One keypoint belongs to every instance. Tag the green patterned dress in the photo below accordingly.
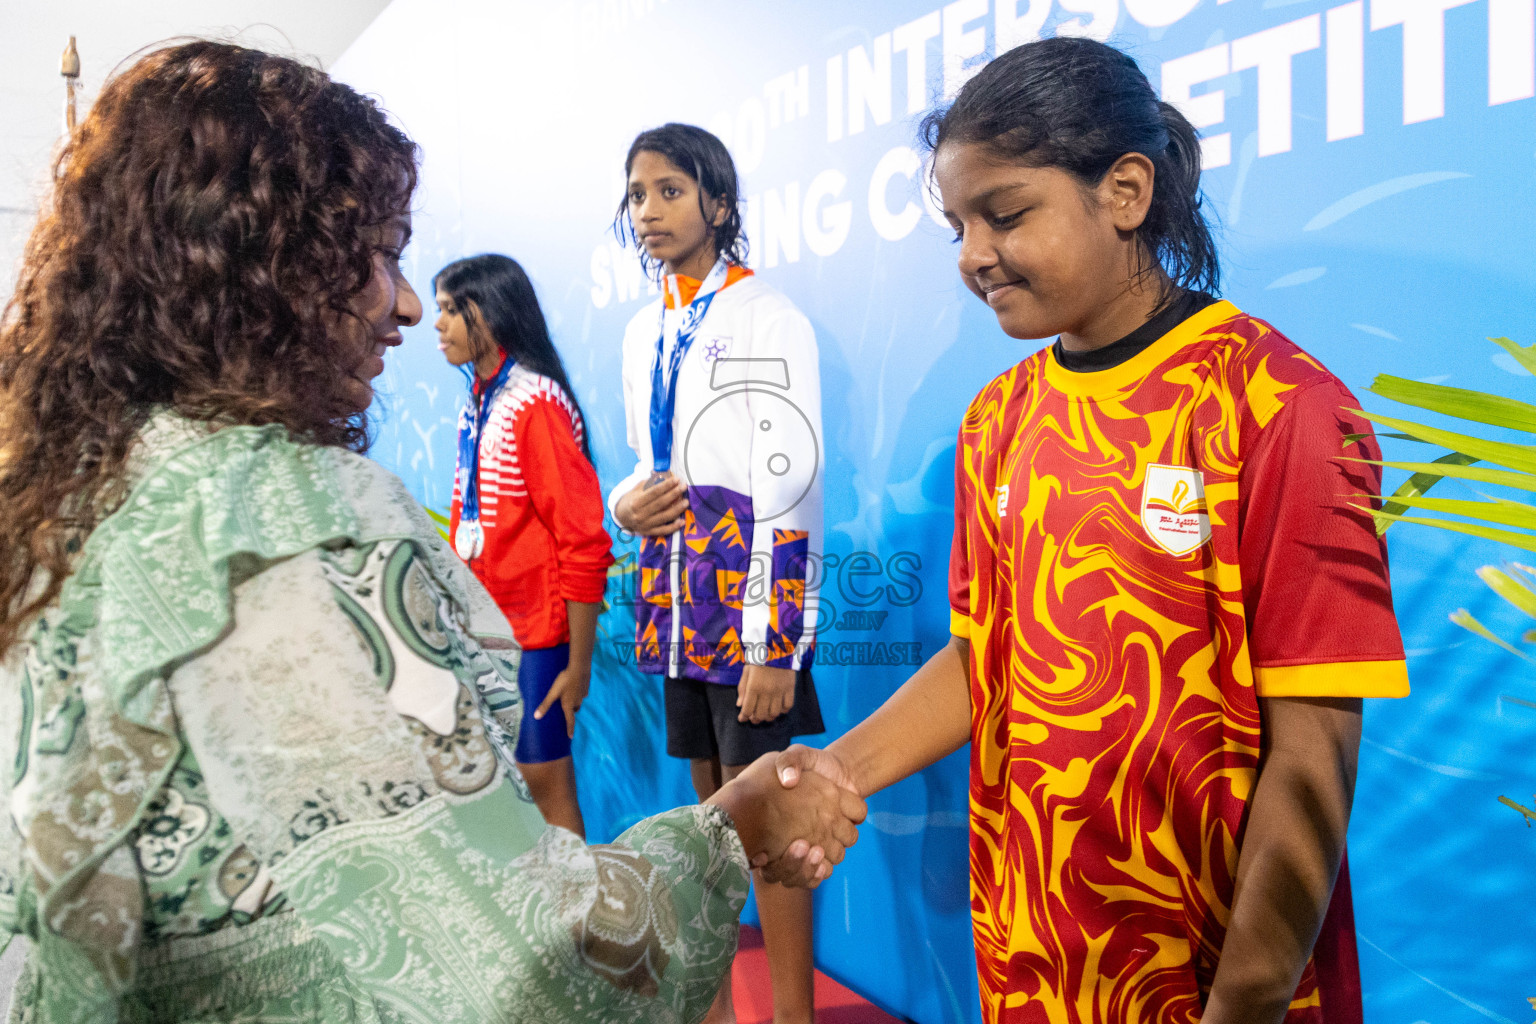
(261, 771)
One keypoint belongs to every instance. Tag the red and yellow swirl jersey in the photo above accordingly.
(1140, 554)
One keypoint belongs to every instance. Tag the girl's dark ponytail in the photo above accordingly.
(503, 295)
(1175, 228)
(1076, 104)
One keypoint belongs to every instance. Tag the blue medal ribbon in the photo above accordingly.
(469, 538)
(664, 390)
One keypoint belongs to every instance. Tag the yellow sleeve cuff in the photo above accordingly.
(1335, 679)
(959, 625)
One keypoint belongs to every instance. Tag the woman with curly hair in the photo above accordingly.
(260, 718)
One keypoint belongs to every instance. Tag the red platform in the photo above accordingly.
(753, 994)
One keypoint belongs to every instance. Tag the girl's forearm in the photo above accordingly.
(1291, 851)
(927, 719)
(582, 616)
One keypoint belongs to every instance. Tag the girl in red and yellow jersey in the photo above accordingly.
(1166, 600)
(527, 509)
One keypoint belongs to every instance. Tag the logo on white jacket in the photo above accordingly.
(782, 452)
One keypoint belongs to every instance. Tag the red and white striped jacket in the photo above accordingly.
(541, 509)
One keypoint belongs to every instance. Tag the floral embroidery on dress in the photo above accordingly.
(240, 869)
(315, 814)
(462, 761)
(327, 823)
(198, 878)
(625, 934)
(419, 647)
(52, 661)
(395, 797)
(171, 824)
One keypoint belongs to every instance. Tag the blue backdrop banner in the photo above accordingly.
(1371, 166)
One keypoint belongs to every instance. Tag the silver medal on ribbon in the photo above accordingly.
(469, 539)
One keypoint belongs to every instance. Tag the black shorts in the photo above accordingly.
(701, 722)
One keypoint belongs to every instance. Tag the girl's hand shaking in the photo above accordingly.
(798, 766)
(817, 816)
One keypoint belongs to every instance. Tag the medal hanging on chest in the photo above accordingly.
(664, 385)
(469, 537)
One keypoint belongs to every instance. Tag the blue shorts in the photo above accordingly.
(545, 739)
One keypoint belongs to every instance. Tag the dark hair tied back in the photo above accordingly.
(1080, 105)
(703, 156)
(498, 289)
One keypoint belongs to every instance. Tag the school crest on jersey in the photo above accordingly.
(1173, 510)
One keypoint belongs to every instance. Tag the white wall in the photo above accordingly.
(107, 32)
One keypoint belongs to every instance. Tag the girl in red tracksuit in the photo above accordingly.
(527, 511)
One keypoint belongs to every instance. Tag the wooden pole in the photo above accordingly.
(69, 67)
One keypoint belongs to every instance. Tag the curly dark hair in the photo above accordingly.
(208, 223)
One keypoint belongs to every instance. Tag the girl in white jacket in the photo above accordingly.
(723, 401)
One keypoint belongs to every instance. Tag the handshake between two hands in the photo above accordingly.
(796, 812)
